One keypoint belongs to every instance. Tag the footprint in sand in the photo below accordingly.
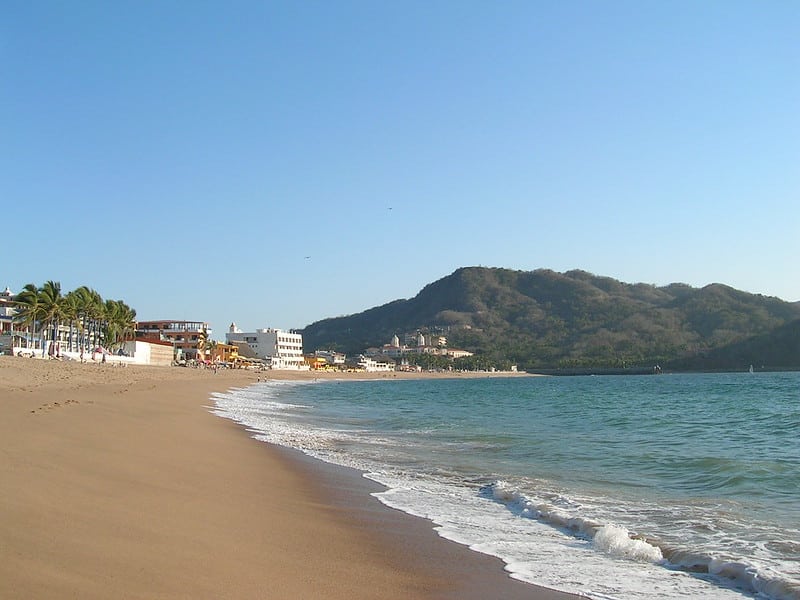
(56, 405)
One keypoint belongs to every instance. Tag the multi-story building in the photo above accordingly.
(7, 311)
(224, 353)
(372, 365)
(281, 349)
(186, 337)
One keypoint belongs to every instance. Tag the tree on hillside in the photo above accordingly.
(544, 319)
(429, 362)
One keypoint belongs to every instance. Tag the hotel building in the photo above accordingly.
(184, 336)
(281, 349)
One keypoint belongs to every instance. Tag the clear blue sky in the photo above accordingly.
(187, 157)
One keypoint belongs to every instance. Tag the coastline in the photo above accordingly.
(121, 481)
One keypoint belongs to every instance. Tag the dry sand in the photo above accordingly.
(119, 483)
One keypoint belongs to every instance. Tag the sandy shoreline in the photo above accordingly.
(120, 483)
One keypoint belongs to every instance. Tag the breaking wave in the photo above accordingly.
(619, 542)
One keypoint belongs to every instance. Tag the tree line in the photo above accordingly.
(44, 310)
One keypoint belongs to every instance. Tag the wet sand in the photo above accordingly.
(119, 482)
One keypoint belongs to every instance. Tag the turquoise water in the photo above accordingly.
(668, 486)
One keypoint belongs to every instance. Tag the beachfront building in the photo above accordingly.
(7, 312)
(280, 349)
(327, 359)
(187, 338)
(372, 365)
(224, 353)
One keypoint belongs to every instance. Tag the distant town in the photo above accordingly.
(26, 331)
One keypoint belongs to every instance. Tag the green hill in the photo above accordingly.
(778, 349)
(544, 319)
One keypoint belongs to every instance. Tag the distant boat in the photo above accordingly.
(751, 368)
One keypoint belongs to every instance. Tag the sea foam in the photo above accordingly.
(617, 541)
(612, 539)
(544, 529)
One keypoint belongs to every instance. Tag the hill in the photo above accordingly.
(545, 319)
(778, 349)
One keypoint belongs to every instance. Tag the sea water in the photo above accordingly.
(615, 487)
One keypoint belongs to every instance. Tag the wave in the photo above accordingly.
(448, 494)
(618, 542)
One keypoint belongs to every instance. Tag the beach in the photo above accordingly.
(119, 482)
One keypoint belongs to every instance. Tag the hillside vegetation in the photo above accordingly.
(544, 319)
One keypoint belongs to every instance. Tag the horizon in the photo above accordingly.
(275, 164)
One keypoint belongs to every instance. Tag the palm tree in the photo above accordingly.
(71, 314)
(95, 310)
(83, 298)
(45, 309)
(29, 309)
(127, 321)
(202, 344)
(119, 324)
(52, 307)
(110, 327)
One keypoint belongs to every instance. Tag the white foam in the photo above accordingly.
(546, 537)
(617, 541)
(536, 552)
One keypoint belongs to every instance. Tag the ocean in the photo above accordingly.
(614, 487)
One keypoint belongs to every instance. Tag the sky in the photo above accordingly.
(277, 163)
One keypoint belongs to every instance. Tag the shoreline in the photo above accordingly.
(122, 482)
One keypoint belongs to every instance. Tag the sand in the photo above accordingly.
(119, 483)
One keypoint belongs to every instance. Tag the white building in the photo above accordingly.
(332, 358)
(435, 345)
(282, 349)
(374, 366)
(7, 311)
